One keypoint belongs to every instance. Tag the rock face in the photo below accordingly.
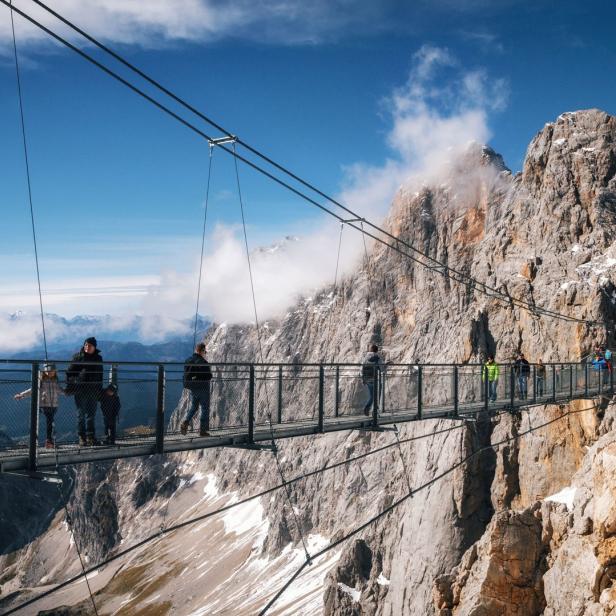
(482, 540)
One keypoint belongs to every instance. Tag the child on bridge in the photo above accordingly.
(49, 391)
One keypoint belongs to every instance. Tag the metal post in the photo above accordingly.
(160, 409)
(456, 399)
(113, 374)
(570, 381)
(485, 389)
(33, 416)
(375, 397)
(512, 384)
(279, 394)
(337, 396)
(554, 382)
(586, 379)
(419, 389)
(321, 397)
(382, 392)
(534, 383)
(251, 405)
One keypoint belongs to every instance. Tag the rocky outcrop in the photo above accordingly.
(556, 556)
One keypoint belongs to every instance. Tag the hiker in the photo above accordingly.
(490, 373)
(370, 371)
(521, 368)
(84, 380)
(49, 391)
(540, 378)
(110, 405)
(197, 377)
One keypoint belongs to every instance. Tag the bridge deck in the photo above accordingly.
(17, 459)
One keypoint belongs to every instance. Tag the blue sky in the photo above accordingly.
(118, 187)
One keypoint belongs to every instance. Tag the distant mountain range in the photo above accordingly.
(119, 339)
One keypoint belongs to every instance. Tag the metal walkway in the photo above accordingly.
(298, 400)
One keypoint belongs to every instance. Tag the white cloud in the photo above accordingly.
(158, 22)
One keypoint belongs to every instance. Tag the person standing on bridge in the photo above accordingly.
(49, 391)
(521, 368)
(540, 376)
(84, 380)
(490, 374)
(370, 372)
(197, 377)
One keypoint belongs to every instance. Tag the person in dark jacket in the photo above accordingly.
(110, 405)
(521, 368)
(197, 377)
(370, 372)
(84, 380)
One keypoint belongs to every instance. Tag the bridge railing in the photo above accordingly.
(248, 398)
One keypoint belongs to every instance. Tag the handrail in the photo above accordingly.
(304, 399)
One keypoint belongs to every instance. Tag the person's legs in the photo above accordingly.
(49, 413)
(492, 390)
(194, 405)
(81, 415)
(204, 418)
(88, 402)
(368, 405)
(109, 420)
(192, 409)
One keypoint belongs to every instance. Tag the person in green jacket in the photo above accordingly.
(491, 372)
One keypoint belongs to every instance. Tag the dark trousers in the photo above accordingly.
(86, 400)
(200, 397)
(49, 412)
(110, 419)
(523, 387)
(539, 386)
(373, 390)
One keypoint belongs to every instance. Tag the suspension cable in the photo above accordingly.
(68, 518)
(331, 309)
(433, 264)
(410, 494)
(258, 328)
(207, 196)
(406, 470)
(27, 161)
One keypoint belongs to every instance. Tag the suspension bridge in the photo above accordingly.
(254, 404)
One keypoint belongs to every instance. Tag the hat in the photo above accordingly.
(91, 340)
(49, 367)
(112, 386)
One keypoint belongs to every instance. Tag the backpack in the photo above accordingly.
(196, 372)
(368, 371)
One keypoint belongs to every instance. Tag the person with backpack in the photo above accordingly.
(370, 372)
(84, 380)
(49, 391)
(110, 405)
(490, 374)
(521, 368)
(197, 377)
